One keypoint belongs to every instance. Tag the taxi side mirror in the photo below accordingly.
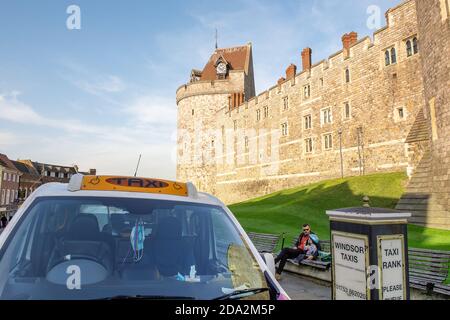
(270, 261)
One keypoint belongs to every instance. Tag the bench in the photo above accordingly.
(323, 265)
(428, 270)
(264, 242)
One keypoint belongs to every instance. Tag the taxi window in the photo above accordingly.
(125, 246)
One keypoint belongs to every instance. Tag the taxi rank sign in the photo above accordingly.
(392, 264)
(349, 266)
(369, 253)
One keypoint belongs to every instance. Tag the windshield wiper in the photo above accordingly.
(146, 297)
(241, 293)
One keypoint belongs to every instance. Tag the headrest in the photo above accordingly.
(84, 227)
(169, 228)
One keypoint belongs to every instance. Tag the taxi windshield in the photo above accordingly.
(97, 247)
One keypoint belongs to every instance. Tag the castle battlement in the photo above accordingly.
(355, 102)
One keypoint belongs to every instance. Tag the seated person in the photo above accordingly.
(306, 247)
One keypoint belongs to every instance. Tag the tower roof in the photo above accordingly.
(237, 58)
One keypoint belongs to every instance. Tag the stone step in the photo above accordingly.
(421, 209)
(421, 174)
(415, 183)
(415, 195)
(408, 201)
(412, 207)
(418, 180)
(422, 186)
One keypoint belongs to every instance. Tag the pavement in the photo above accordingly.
(301, 288)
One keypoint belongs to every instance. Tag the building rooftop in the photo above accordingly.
(237, 58)
(5, 162)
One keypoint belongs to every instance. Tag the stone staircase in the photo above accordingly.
(419, 130)
(417, 193)
(418, 197)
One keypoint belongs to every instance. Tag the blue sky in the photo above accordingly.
(100, 96)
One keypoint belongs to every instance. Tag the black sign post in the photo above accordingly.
(369, 253)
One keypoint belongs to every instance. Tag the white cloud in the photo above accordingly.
(102, 84)
(109, 148)
(12, 109)
(92, 82)
(153, 110)
(7, 139)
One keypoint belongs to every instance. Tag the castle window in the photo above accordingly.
(400, 114)
(306, 91)
(258, 115)
(393, 56)
(192, 111)
(328, 141)
(390, 56)
(415, 46)
(266, 111)
(387, 58)
(321, 82)
(308, 145)
(246, 143)
(235, 124)
(284, 129)
(347, 111)
(412, 47)
(347, 75)
(409, 48)
(326, 116)
(285, 103)
(212, 143)
(307, 121)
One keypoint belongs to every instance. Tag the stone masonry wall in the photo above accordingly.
(434, 32)
(374, 93)
(247, 164)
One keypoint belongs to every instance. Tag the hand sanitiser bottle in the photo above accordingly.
(192, 273)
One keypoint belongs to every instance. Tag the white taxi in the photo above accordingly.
(112, 237)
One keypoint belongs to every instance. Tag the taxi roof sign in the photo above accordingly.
(131, 184)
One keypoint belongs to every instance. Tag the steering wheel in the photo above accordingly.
(78, 257)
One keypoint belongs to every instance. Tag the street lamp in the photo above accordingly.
(360, 151)
(340, 151)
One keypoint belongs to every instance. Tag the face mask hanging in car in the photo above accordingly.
(137, 238)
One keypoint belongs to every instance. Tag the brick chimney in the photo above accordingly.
(348, 40)
(281, 80)
(306, 58)
(291, 71)
(236, 99)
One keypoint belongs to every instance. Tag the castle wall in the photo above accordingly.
(434, 32)
(236, 156)
(198, 103)
(375, 92)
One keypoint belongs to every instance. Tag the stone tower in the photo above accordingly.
(226, 81)
(428, 193)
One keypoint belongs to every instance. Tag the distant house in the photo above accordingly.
(9, 185)
(53, 172)
(30, 178)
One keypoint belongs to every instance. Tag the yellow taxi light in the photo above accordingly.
(133, 184)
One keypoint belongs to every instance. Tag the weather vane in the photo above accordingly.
(216, 39)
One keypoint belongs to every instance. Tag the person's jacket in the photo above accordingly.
(315, 240)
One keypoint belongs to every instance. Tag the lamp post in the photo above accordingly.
(359, 149)
(340, 151)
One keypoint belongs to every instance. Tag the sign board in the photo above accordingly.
(350, 262)
(391, 260)
(133, 184)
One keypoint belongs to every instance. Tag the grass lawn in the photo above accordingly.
(285, 211)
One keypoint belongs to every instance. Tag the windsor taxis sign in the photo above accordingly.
(354, 277)
(350, 262)
(391, 261)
